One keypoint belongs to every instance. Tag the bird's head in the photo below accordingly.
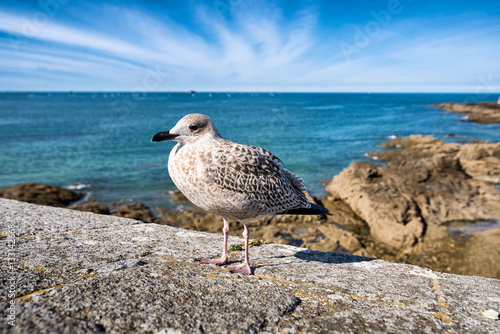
(190, 129)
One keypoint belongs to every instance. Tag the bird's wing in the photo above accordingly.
(257, 173)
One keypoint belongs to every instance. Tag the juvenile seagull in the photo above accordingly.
(232, 180)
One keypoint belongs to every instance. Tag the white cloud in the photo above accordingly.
(251, 48)
(58, 33)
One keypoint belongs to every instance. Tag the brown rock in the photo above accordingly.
(412, 140)
(345, 238)
(399, 200)
(442, 251)
(94, 207)
(482, 254)
(195, 219)
(373, 196)
(479, 160)
(341, 213)
(481, 112)
(179, 197)
(39, 193)
(415, 146)
(135, 210)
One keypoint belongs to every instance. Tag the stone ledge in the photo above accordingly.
(81, 272)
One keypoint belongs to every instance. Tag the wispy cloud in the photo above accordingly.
(242, 46)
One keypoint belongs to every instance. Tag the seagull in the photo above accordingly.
(235, 181)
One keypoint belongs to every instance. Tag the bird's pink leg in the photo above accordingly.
(225, 254)
(243, 268)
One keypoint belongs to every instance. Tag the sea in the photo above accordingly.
(100, 143)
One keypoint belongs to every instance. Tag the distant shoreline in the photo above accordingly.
(72, 92)
(480, 112)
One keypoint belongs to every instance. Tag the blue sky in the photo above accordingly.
(239, 45)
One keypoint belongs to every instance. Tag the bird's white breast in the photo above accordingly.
(189, 168)
(186, 166)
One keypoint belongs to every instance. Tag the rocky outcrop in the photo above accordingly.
(393, 219)
(43, 194)
(94, 207)
(481, 161)
(39, 193)
(135, 210)
(423, 184)
(481, 112)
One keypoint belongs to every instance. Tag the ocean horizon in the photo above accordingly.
(99, 142)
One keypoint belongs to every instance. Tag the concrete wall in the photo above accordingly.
(78, 272)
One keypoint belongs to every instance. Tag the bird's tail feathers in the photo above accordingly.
(313, 210)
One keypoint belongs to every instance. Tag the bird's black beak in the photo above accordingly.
(165, 135)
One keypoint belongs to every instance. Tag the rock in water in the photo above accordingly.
(39, 193)
(135, 210)
(94, 207)
(481, 112)
(399, 200)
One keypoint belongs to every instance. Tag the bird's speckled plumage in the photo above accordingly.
(235, 181)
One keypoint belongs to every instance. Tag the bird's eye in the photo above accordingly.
(193, 127)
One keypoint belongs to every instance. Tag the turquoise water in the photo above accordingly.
(101, 141)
